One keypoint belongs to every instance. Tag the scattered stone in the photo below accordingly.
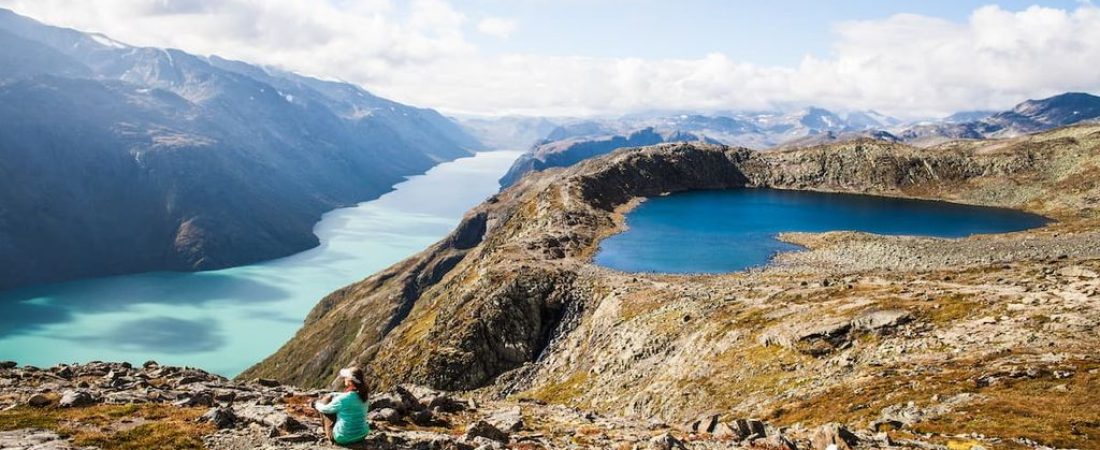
(33, 439)
(833, 436)
(486, 430)
(74, 399)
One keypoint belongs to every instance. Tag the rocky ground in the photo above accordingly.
(119, 406)
(986, 340)
(979, 342)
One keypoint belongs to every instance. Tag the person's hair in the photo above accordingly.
(355, 374)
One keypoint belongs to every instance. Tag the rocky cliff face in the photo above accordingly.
(988, 337)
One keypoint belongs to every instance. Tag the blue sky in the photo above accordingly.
(911, 59)
(771, 32)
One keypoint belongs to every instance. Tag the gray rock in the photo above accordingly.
(8, 364)
(200, 398)
(33, 439)
(387, 401)
(385, 415)
(874, 320)
(486, 430)
(221, 417)
(266, 382)
(73, 399)
(38, 400)
(705, 425)
(835, 435)
(509, 420)
(749, 428)
(666, 441)
(425, 418)
(269, 416)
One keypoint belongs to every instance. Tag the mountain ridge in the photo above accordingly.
(128, 159)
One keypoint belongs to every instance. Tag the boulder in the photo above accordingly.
(269, 416)
(65, 372)
(833, 435)
(444, 403)
(409, 402)
(426, 418)
(8, 365)
(266, 382)
(486, 430)
(385, 415)
(724, 430)
(705, 425)
(39, 400)
(878, 319)
(666, 441)
(749, 428)
(198, 398)
(74, 399)
(509, 420)
(221, 417)
(189, 379)
(387, 401)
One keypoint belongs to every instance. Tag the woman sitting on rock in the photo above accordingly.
(345, 415)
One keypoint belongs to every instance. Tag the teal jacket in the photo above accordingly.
(351, 417)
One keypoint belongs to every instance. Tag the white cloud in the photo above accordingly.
(497, 27)
(417, 52)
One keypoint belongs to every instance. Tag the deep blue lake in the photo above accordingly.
(731, 230)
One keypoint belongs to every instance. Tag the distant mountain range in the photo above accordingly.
(568, 151)
(574, 141)
(117, 159)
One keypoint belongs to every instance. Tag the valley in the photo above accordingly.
(121, 159)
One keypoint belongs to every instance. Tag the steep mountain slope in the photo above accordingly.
(920, 336)
(119, 159)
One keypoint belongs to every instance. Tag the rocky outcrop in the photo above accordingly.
(857, 317)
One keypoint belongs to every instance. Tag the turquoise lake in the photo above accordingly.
(226, 320)
(731, 230)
